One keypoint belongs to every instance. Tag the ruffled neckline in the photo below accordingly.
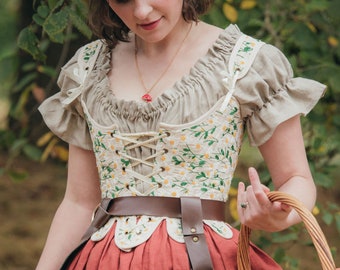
(219, 51)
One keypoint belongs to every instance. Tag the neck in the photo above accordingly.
(147, 97)
(165, 45)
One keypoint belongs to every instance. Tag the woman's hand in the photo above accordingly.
(255, 209)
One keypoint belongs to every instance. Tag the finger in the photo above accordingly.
(265, 188)
(257, 188)
(286, 207)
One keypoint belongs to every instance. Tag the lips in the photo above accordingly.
(150, 26)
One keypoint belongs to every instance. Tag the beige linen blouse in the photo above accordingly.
(268, 95)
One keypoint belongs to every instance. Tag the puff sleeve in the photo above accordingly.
(269, 94)
(67, 121)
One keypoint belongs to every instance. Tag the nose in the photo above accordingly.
(142, 9)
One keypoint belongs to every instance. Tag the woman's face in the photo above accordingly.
(151, 20)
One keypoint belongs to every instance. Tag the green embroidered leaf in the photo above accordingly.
(204, 189)
(176, 160)
(125, 162)
(233, 111)
(206, 134)
(201, 163)
(227, 154)
(201, 175)
(183, 184)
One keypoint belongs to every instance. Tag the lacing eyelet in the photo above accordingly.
(162, 169)
(117, 152)
(124, 169)
(165, 151)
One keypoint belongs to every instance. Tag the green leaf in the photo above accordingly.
(28, 42)
(80, 24)
(25, 80)
(282, 238)
(316, 5)
(337, 221)
(50, 71)
(53, 4)
(334, 80)
(81, 7)
(323, 180)
(55, 25)
(32, 152)
(43, 11)
(38, 20)
(17, 175)
(279, 255)
(18, 145)
(327, 218)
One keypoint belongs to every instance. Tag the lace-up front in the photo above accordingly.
(141, 141)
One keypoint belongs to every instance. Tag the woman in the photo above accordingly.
(160, 116)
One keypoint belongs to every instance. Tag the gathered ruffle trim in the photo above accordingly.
(132, 110)
(298, 96)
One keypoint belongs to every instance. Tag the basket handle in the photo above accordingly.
(311, 224)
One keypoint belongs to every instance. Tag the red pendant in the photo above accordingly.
(147, 98)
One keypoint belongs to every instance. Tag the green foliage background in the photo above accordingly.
(33, 51)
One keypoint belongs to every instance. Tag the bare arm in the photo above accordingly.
(74, 213)
(285, 156)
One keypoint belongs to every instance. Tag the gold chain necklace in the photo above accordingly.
(147, 97)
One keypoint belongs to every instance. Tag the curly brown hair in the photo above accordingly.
(107, 25)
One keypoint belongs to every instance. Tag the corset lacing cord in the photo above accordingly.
(131, 141)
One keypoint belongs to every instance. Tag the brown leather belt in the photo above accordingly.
(192, 211)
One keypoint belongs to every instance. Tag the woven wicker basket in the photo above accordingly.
(311, 225)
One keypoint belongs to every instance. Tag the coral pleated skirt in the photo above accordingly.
(163, 253)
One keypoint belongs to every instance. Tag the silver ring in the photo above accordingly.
(244, 205)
